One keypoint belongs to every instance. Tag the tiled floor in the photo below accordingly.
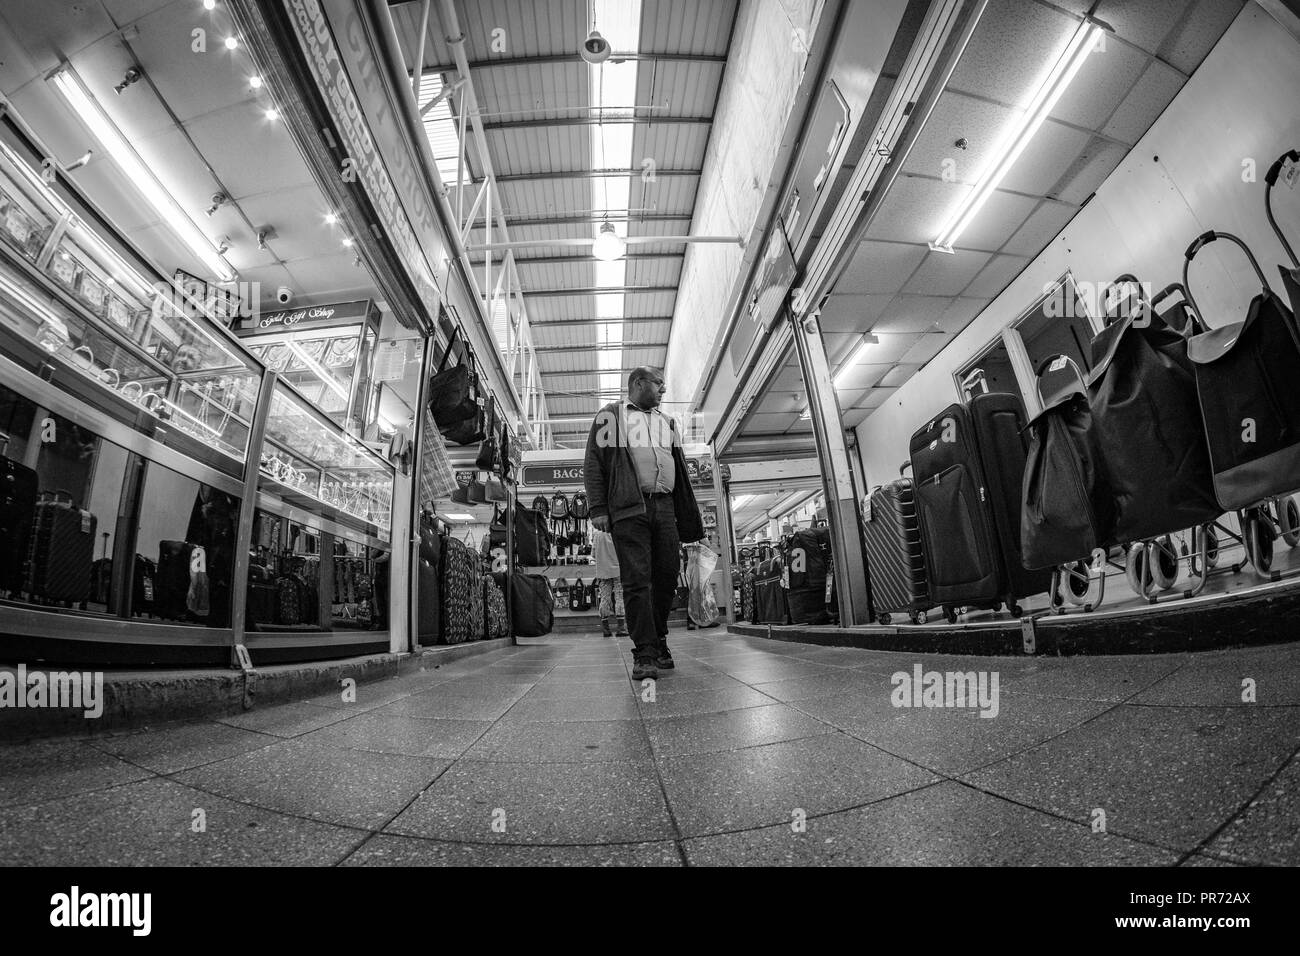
(749, 752)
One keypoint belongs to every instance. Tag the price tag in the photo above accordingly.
(1291, 174)
(1059, 364)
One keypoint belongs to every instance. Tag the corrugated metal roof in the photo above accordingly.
(670, 145)
(677, 88)
(686, 26)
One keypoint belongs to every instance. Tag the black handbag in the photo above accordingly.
(454, 392)
(477, 491)
(497, 529)
(489, 452)
(468, 430)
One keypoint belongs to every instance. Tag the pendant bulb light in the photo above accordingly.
(608, 245)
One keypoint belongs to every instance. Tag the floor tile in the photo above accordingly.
(732, 730)
(387, 850)
(534, 741)
(44, 770)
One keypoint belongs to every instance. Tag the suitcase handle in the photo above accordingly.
(1193, 320)
(1199, 243)
(902, 469)
(1269, 179)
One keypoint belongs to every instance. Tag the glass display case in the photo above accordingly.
(127, 410)
(306, 459)
(76, 306)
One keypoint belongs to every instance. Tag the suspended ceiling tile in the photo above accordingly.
(912, 313)
(852, 313)
(802, 426)
(1088, 171)
(788, 379)
(295, 213)
(1144, 24)
(839, 345)
(1014, 44)
(1053, 148)
(850, 398)
(227, 137)
(915, 209)
(945, 273)
(960, 312)
(192, 84)
(855, 417)
(996, 276)
(958, 116)
(926, 348)
(781, 403)
(898, 375)
(1147, 100)
(771, 424)
(880, 267)
(1040, 228)
(1101, 84)
(1190, 41)
(877, 397)
(862, 376)
(330, 278)
(997, 221)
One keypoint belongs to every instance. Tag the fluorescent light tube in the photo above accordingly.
(868, 340)
(110, 137)
(1021, 131)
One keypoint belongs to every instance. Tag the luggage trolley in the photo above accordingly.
(1250, 411)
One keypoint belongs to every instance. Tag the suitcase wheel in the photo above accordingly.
(1015, 610)
(1289, 521)
(918, 617)
(1258, 536)
(884, 619)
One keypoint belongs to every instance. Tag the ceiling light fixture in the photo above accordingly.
(1021, 131)
(347, 241)
(209, 4)
(255, 82)
(608, 245)
(272, 114)
(231, 43)
(331, 218)
(69, 86)
(868, 340)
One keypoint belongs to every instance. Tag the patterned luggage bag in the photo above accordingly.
(457, 585)
(894, 558)
(61, 551)
(477, 602)
(17, 506)
(494, 604)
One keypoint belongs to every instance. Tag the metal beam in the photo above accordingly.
(596, 290)
(591, 219)
(561, 260)
(544, 60)
(558, 323)
(549, 349)
(594, 174)
(597, 121)
(591, 371)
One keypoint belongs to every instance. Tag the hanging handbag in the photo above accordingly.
(454, 392)
(494, 489)
(488, 450)
(467, 431)
(497, 529)
(477, 491)
(461, 494)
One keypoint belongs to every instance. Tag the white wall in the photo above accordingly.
(764, 70)
(1239, 106)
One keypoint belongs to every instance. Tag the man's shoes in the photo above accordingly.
(665, 660)
(644, 669)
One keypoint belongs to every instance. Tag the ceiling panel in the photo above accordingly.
(946, 273)
(1013, 46)
(912, 313)
(996, 276)
(1040, 228)
(877, 397)
(852, 313)
(854, 417)
(880, 267)
(863, 376)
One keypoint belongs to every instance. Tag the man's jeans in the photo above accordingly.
(648, 561)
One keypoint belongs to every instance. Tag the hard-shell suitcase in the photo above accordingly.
(999, 422)
(895, 561)
(61, 551)
(963, 561)
(1245, 380)
(18, 493)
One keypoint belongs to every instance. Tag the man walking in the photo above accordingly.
(638, 489)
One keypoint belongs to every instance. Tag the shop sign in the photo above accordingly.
(326, 61)
(311, 317)
(560, 474)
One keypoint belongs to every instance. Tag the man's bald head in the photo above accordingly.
(645, 386)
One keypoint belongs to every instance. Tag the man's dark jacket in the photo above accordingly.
(610, 476)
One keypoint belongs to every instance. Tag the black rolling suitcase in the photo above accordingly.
(894, 558)
(429, 624)
(1000, 434)
(806, 555)
(18, 495)
(61, 550)
(958, 539)
(769, 596)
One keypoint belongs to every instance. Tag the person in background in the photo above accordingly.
(608, 586)
(638, 488)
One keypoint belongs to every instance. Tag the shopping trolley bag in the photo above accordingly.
(1245, 381)
(1147, 423)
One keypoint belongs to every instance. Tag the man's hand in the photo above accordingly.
(601, 523)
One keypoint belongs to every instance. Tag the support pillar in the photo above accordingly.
(726, 545)
(851, 585)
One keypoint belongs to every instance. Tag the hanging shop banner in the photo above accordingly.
(700, 471)
(310, 317)
(335, 69)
